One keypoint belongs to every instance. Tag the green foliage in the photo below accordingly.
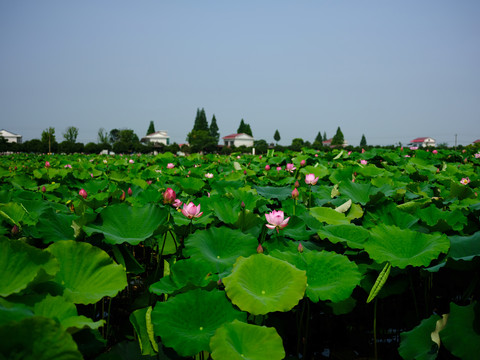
(363, 142)
(71, 134)
(151, 128)
(338, 138)
(214, 129)
(276, 136)
(244, 128)
(297, 144)
(102, 136)
(201, 123)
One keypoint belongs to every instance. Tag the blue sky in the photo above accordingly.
(392, 70)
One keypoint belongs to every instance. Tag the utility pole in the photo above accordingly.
(455, 142)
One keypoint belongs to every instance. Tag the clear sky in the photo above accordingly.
(392, 70)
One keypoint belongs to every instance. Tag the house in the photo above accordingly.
(329, 143)
(159, 137)
(476, 141)
(422, 141)
(11, 137)
(238, 140)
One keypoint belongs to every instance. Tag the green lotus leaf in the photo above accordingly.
(261, 284)
(87, 273)
(319, 171)
(417, 343)
(13, 311)
(37, 338)
(227, 210)
(464, 247)
(329, 215)
(20, 263)
(330, 276)
(123, 223)
(351, 235)
(272, 192)
(16, 214)
(184, 273)
(432, 215)
(141, 321)
(54, 226)
(187, 321)
(220, 246)
(297, 229)
(460, 336)
(191, 185)
(359, 193)
(390, 215)
(57, 307)
(241, 341)
(403, 247)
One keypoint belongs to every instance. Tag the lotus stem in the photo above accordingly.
(307, 325)
(108, 318)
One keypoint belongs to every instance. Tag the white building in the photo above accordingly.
(159, 137)
(238, 140)
(11, 137)
(423, 142)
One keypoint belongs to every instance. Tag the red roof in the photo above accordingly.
(419, 140)
(476, 141)
(233, 136)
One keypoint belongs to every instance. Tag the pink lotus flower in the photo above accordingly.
(169, 196)
(209, 175)
(413, 147)
(279, 168)
(302, 163)
(465, 181)
(177, 203)
(267, 167)
(191, 210)
(310, 179)
(91, 175)
(44, 188)
(131, 161)
(300, 248)
(363, 162)
(260, 249)
(290, 167)
(434, 152)
(295, 194)
(276, 220)
(82, 193)
(68, 166)
(129, 192)
(170, 166)
(47, 164)
(363, 150)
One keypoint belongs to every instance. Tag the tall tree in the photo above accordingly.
(276, 136)
(324, 136)
(241, 127)
(338, 138)
(48, 137)
(248, 130)
(71, 134)
(114, 136)
(151, 128)
(363, 142)
(214, 129)
(201, 122)
(102, 136)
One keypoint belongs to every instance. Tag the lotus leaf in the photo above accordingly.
(417, 343)
(20, 264)
(87, 273)
(37, 338)
(464, 247)
(329, 216)
(404, 247)
(261, 284)
(272, 192)
(351, 235)
(123, 223)
(54, 227)
(141, 321)
(461, 336)
(187, 321)
(13, 311)
(241, 341)
(220, 246)
(359, 193)
(191, 185)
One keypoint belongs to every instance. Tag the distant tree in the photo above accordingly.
(48, 138)
(114, 136)
(151, 128)
(214, 129)
(70, 135)
(363, 142)
(128, 136)
(318, 138)
(248, 130)
(324, 136)
(201, 141)
(338, 138)
(297, 144)
(102, 136)
(201, 122)
(33, 146)
(276, 136)
(244, 128)
(261, 146)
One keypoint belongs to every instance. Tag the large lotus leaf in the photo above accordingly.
(141, 320)
(297, 229)
(272, 192)
(13, 311)
(351, 235)
(54, 226)
(191, 185)
(16, 214)
(359, 193)
(240, 341)
(57, 307)
(464, 247)
(220, 246)
(37, 338)
(432, 215)
(261, 284)
(461, 336)
(187, 321)
(20, 263)
(319, 171)
(329, 215)
(87, 273)
(184, 273)
(390, 215)
(330, 276)
(417, 343)
(227, 210)
(123, 223)
(403, 247)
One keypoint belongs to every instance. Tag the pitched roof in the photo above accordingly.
(476, 141)
(234, 136)
(160, 132)
(419, 140)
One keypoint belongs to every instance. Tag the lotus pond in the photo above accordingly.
(311, 255)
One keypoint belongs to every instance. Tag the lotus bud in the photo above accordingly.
(122, 197)
(219, 282)
(177, 203)
(302, 163)
(295, 194)
(47, 164)
(72, 207)
(435, 152)
(170, 166)
(44, 188)
(300, 248)
(129, 192)
(15, 229)
(169, 196)
(82, 193)
(259, 249)
(149, 182)
(242, 205)
(297, 184)
(267, 167)
(244, 172)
